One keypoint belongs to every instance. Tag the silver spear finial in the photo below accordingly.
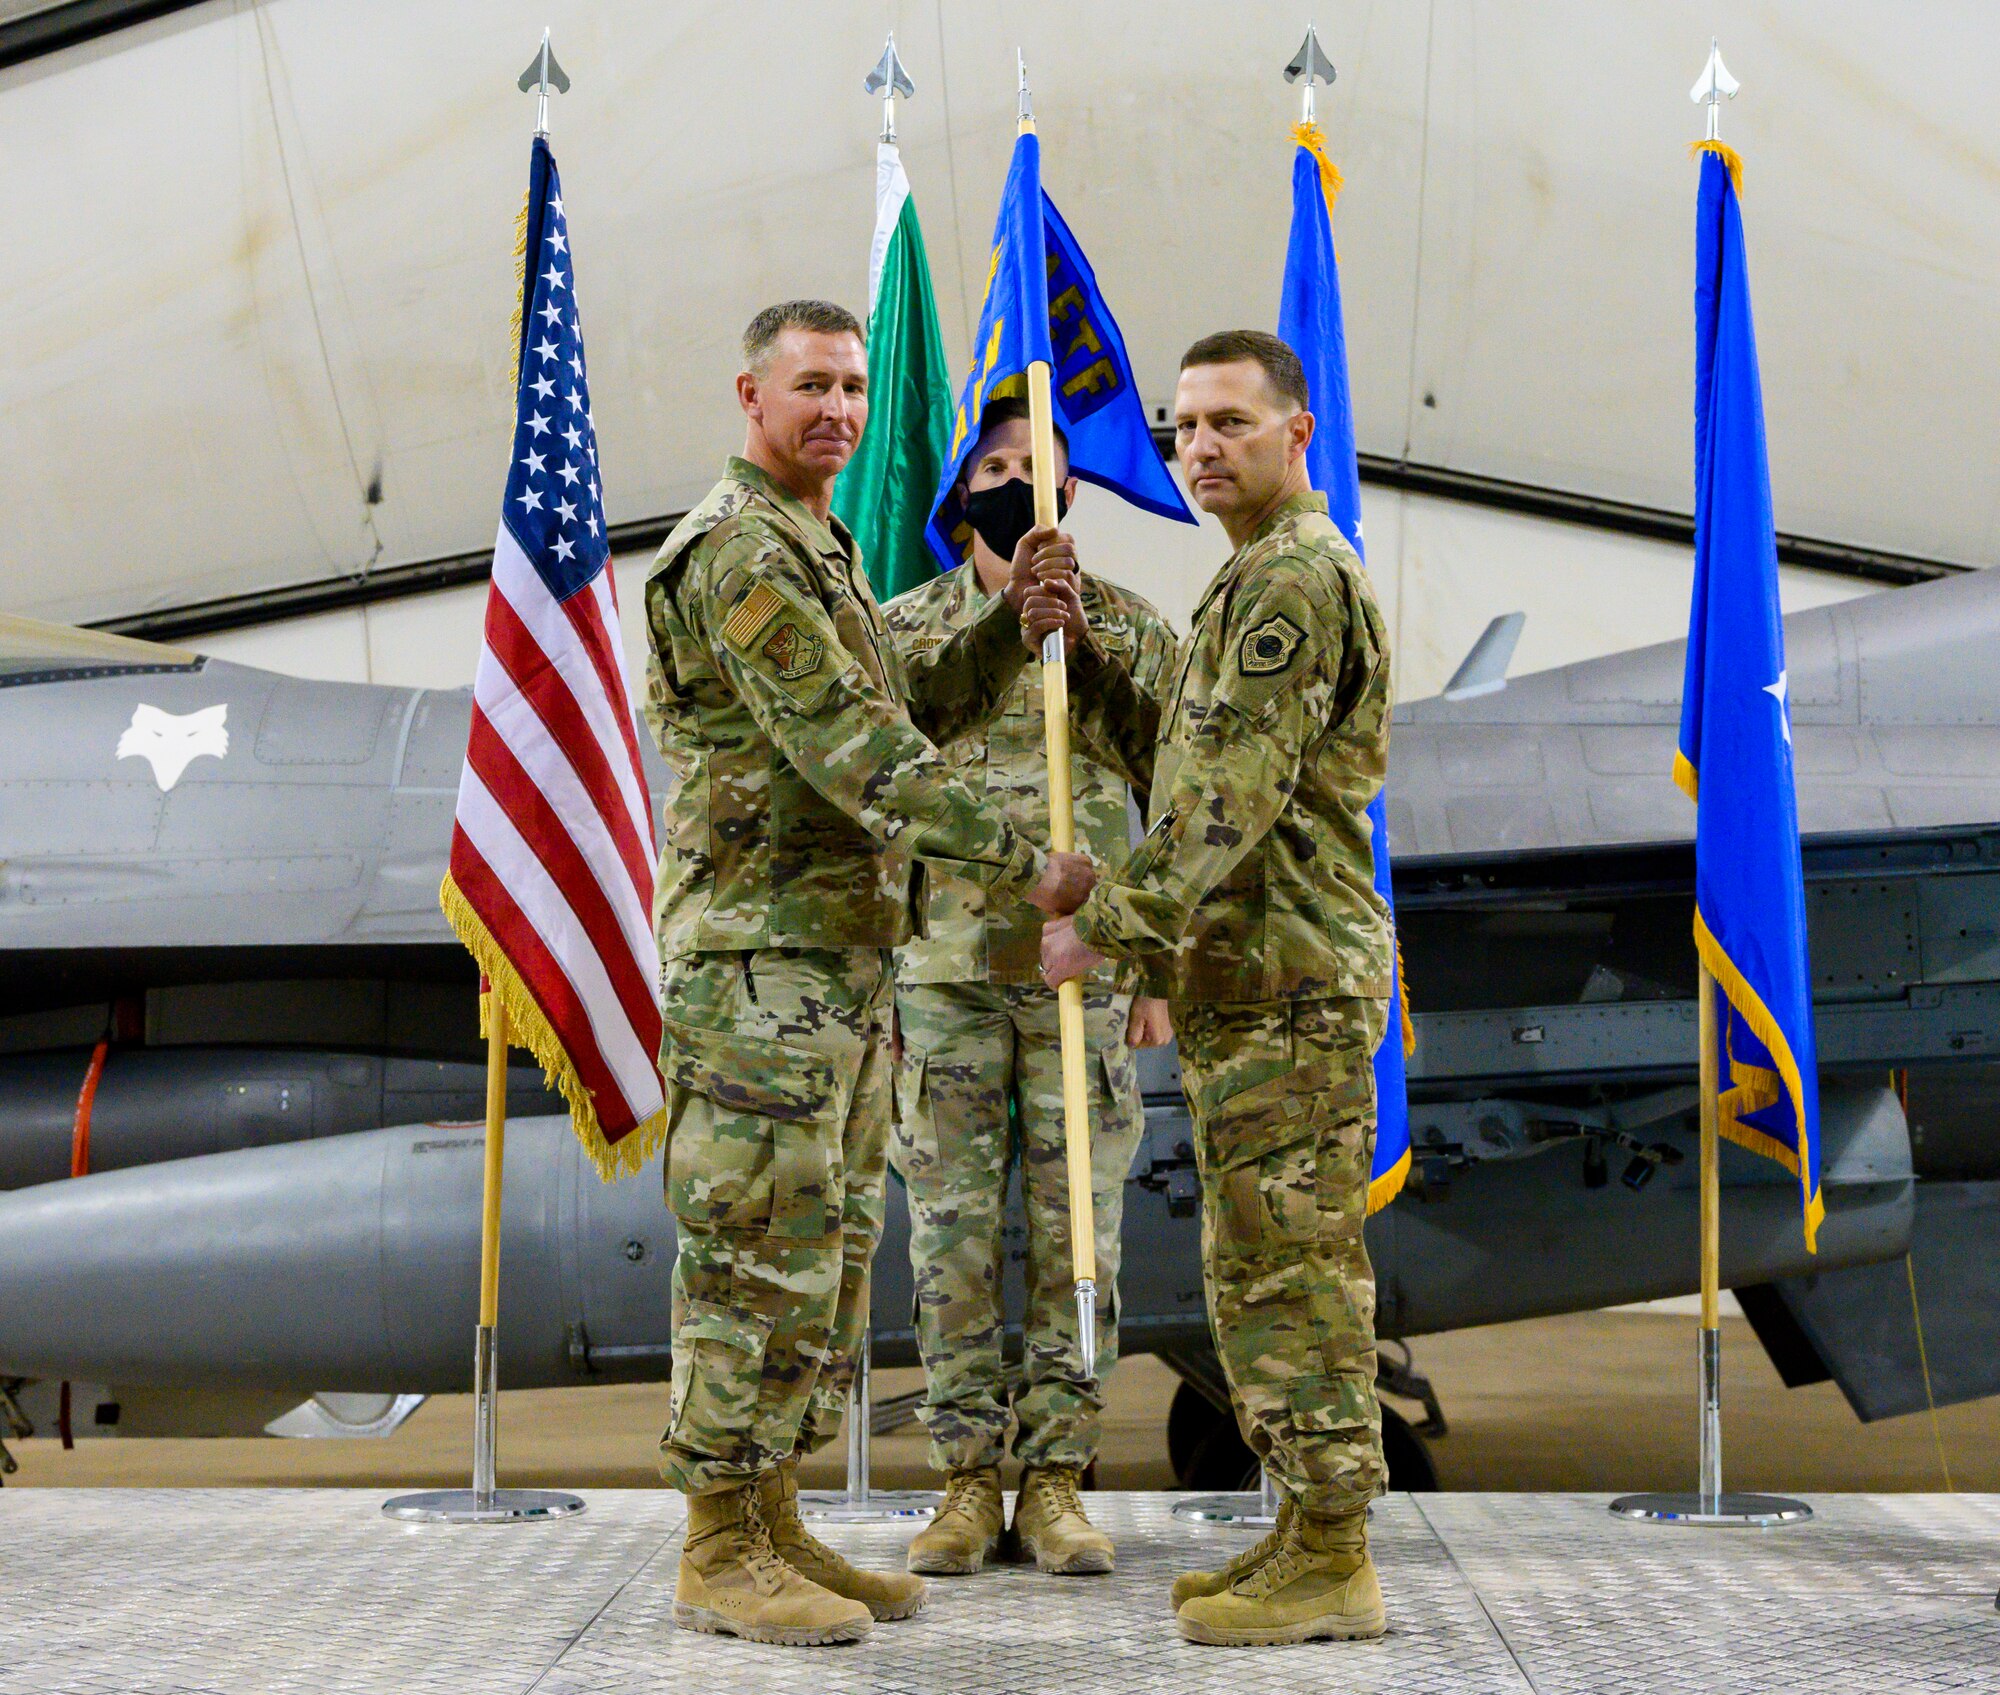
(1714, 86)
(541, 72)
(1309, 65)
(1027, 113)
(889, 79)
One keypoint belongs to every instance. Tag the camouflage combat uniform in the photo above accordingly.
(785, 878)
(980, 1031)
(1253, 894)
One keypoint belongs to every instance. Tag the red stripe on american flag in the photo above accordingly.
(544, 978)
(545, 689)
(549, 838)
(595, 633)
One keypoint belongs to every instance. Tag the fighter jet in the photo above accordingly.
(214, 878)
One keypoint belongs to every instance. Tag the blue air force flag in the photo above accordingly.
(1309, 320)
(1735, 753)
(1042, 303)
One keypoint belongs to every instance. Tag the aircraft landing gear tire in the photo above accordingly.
(1208, 1453)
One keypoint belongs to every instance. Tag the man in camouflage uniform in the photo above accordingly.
(981, 1045)
(1253, 890)
(805, 789)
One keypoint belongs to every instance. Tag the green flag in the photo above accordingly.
(884, 496)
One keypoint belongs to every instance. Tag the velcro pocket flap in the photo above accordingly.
(1342, 1402)
(1276, 1113)
(747, 1074)
(707, 1322)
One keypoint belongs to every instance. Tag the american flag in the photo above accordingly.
(552, 845)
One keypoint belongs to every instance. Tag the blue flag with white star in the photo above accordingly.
(1735, 754)
(1042, 302)
(1309, 320)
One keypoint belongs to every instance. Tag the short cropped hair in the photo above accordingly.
(822, 316)
(1280, 365)
(1013, 408)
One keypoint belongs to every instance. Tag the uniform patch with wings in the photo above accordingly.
(795, 653)
(1269, 646)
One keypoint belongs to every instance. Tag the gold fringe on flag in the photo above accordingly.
(1389, 1185)
(1384, 1189)
(1403, 1004)
(527, 1027)
(520, 271)
(1753, 1087)
(1728, 155)
(1313, 140)
(1686, 778)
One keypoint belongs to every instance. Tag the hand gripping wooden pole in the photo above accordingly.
(1062, 837)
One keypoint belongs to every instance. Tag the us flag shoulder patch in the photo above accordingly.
(1269, 646)
(752, 613)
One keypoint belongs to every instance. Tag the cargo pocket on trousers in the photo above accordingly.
(1342, 1404)
(770, 1155)
(718, 1376)
(1263, 1143)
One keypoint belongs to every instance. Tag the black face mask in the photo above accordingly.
(1002, 515)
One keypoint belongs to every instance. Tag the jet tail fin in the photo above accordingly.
(1484, 668)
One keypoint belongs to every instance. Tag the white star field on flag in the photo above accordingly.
(554, 499)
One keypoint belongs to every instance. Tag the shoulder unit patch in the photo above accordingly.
(795, 653)
(1269, 646)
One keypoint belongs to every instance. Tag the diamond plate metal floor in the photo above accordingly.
(266, 1592)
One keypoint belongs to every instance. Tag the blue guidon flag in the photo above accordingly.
(551, 873)
(1309, 321)
(1042, 303)
(1735, 753)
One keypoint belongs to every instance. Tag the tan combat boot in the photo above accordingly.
(1050, 1527)
(1192, 1583)
(732, 1582)
(965, 1534)
(1319, 1583)
(886, 1594)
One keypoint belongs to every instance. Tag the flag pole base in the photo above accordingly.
(1725, 1511)
(1254, 1511)
(860, 1502)
(878, 1506)
(483, 1503)
(465, 1506)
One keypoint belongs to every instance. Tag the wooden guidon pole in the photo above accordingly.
(496, 1152)
(1062, 837)
(486, 1340)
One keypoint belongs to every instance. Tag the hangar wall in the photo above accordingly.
(268, 343)
(1442, 567)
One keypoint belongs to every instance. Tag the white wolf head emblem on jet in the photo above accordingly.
(170, 741)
